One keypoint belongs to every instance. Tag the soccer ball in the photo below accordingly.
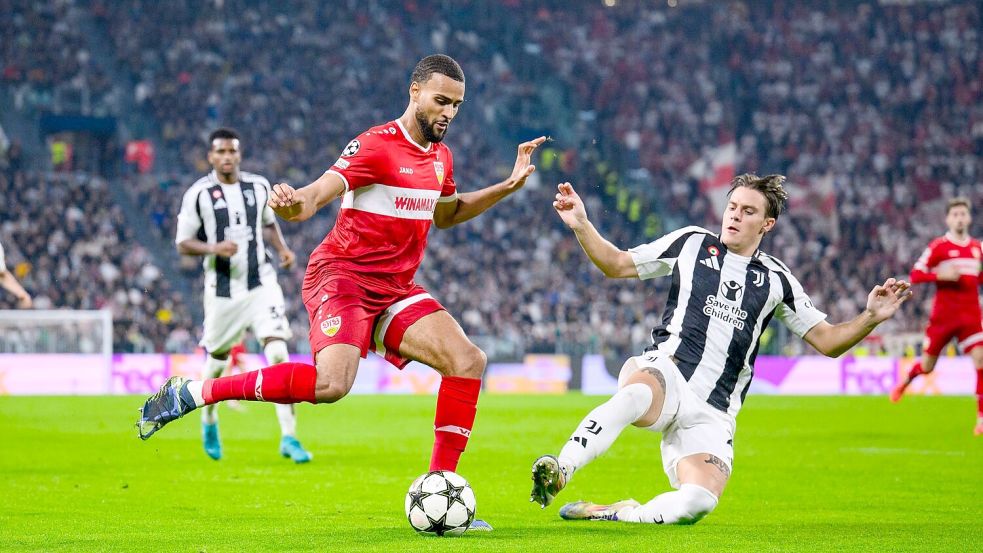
(440, 503)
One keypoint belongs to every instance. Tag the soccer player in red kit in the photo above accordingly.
(953, 263)
(394, 179)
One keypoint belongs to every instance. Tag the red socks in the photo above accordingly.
(915, 371)
(283, 383)
(979, 393)
(457, 402)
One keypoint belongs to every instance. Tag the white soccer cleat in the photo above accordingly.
(585, 510)
(548, 478)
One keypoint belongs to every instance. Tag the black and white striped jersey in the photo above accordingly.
(718, 305)
(213, 212)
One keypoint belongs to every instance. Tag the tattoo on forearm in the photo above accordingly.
(658, 376)
(717, 462)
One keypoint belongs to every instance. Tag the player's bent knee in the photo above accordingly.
(276, 351)
(331, 393)
(468, 364)
(698, 502)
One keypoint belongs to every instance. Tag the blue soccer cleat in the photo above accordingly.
(291, 449)
(171, 402)
(478, 525)
(209, 436)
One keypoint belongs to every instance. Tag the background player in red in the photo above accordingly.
(395, 179)
(953, 263)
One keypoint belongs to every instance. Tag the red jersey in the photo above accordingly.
(959, 298)
(392, 187)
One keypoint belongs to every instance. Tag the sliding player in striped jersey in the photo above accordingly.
(223, 219)
(691, 383)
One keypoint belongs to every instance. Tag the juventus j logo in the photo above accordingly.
(593, 427)
(759, 279)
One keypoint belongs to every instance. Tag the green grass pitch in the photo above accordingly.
(830, 474)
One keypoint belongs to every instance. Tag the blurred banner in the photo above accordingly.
(71, 374)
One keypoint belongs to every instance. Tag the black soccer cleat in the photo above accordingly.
(171, 402)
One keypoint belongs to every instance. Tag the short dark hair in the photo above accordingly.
(222, 133)
(437, 63)
(956, 202)
(770, 186)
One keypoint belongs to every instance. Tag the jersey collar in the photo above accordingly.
(213, 176)
(952, 238)
(409, 138)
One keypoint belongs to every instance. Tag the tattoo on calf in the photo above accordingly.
(658, 376)
(717, 462)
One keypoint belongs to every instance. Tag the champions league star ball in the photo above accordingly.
(440, 503)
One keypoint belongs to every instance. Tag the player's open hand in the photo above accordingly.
(569, 206)
(287, 258)
(285, 201)
(523, 163)
(225, 248)
(885, 299)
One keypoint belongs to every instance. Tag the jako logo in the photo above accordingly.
(415, 204)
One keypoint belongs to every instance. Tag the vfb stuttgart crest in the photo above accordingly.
(331, 326)
(438, 167)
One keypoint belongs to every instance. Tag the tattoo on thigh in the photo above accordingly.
(717, 462)
(658, 376)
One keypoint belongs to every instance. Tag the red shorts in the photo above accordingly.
(937, 335)
(344, 312)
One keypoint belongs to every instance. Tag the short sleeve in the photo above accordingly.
(796, 310)
(268, 217)
(448, 190)
(658, 258)
(189, 218)
(361, 162)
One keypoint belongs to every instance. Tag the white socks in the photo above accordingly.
(276, 353)
(599, 429)
(687, 505)
(213, 369)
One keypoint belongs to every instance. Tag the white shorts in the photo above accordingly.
(689, 425)
(261, 309)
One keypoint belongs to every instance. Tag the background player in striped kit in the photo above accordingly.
(690, 384)
(224, 218)
(952, 262)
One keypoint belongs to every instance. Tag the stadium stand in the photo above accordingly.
(821, 92)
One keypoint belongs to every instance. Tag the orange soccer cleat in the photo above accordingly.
(898, 391)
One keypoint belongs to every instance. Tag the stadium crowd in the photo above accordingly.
(69, 245)
(47, 63)
(873, 111)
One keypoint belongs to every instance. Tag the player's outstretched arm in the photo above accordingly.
(471, 204)
(301, 204)
(611, 260)
(882, 303)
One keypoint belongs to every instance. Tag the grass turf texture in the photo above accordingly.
(844, 474)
